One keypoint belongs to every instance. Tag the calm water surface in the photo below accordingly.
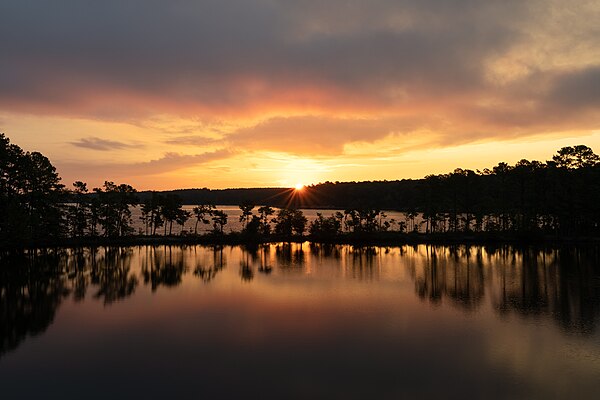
(301, 321)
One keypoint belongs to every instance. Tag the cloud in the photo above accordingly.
(315, 135)
(170, 162)
(578, 88)
(95, 143)
(307, 76)
(310, 135)
(174, 161)
(193, 140)
(213, 55)
(541, 102)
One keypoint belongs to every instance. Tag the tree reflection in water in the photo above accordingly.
(78, 272)
(265, 257)
(450, 272)
(326, 250)
(207, 274)
(365, 262)
(31, 289)
(259, 257)
(163, 266)
(562, 283)
(290, 256)
(249, 257)
(111, 273)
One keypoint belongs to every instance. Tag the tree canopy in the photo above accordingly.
(558, 197)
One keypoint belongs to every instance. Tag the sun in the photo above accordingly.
(298, 186)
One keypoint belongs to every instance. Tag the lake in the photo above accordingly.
(301, 321)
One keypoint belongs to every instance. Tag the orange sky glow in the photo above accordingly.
(263, 93)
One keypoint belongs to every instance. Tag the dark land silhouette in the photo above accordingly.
(531, 200)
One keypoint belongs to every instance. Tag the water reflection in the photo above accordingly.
(31, 289)
(365, 262)
(290, 256)
(111, 273)
(451, 273)
(208, 273)
(562, 283)
(163, 266)
(559, 284)
(326, 250)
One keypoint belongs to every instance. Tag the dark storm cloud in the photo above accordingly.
(235, 53)
(544, 101)
(581, 88)
(126, 60)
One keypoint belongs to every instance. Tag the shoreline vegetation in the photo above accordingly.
(387, 239)
(531, 202)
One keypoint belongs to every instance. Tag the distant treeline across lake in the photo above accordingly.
(558, 198)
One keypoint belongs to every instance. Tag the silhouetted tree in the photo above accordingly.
(264, 213)
(30, 192)
(182, 217)
(151, 215)
(290, 221)
(410, 220)
(558, 197)
(246, 215)
(95, 208)
(201, 212)
(219, 219)
(171, 210)
(327, 227)
(576, 157)
(115, 206)
(79, 212)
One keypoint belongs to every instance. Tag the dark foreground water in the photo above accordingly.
(301, 321)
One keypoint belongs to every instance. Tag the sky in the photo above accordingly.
(262, 93)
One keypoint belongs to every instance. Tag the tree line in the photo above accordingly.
(558, 197)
